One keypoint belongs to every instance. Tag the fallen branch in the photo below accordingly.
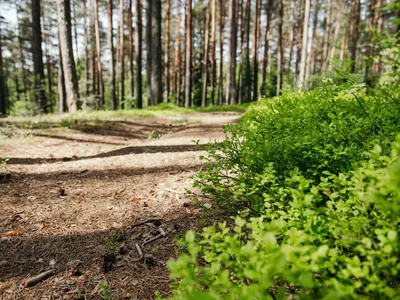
(140, 253)
(35, 280)
(162, 234)
(144, 222)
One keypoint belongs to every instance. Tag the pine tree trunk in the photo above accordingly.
(369, 47)
(156, 52)
(343, 45)
(338, 22)
(75, 31)
(70, 79)
(213, 46)
(205, 57)
(93, 58)
(327, 35)
(266, 48)
(62, 104)
(86, 50)
(245, 69)
(22, 59)
(150, 101)
(138, 54)
(221, 40)
(230, 97)
(280, 48)
(241, 18)
(3, 100)
(304, 45)
(131, 54)
(98, 52)
(178, 55)
(255, 49)
(291, 36)
(188, 54)
(37, 54)
(113, 99)
(49, 64)
(299, 39)
(314, 42)
(354, 34)
(166, 52)
(122, 52)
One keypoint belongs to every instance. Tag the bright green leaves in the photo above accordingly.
(320, 178)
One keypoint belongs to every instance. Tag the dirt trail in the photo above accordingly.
(71, 189)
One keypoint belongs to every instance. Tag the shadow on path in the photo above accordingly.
(117, 152)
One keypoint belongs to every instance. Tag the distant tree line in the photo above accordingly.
(67, 55)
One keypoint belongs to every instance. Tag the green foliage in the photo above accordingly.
(319, 173)
(111, 241)
(104, 290)
(328, 129)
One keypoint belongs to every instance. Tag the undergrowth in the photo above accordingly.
(313, 182)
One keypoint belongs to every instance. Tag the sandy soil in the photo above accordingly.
(70, 190)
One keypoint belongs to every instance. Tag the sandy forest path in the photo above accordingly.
(71, 189)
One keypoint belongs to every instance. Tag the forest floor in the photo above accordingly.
(73, 196)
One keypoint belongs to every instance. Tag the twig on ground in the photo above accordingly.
(162, 234)
(35, 280)
(142, 223)
(140, 253)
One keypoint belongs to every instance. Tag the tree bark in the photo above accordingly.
(314, 42)
(122, 52)
(213, 46)
(62, 104)
(75, 31)
(299, 39)
(93, 50)
(98, 52)
(241, 18)
(255, 48)
(22, 59)
(188, 54)
(178, 55)
(369, 47)
(291, 36)
(3, 99)
(354, 34)
(343, 45)
(131, 54)
(327, 35)
(37, 53)
(166, 52)
(205, 57)
(148, 53)
(338, 22)
(113, 99)
(86, 50)
(266, 47)
(49, 65)
(70, 79)
(221, 43)
(138, 54)
(304, 45)
(230, 97)
(156, 51)
(280, 48)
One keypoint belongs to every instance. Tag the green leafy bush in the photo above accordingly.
(346, 249)
(325, 130)
(320, 175)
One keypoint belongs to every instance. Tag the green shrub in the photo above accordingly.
(320, 177)
(327, 129)
(347, 248)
